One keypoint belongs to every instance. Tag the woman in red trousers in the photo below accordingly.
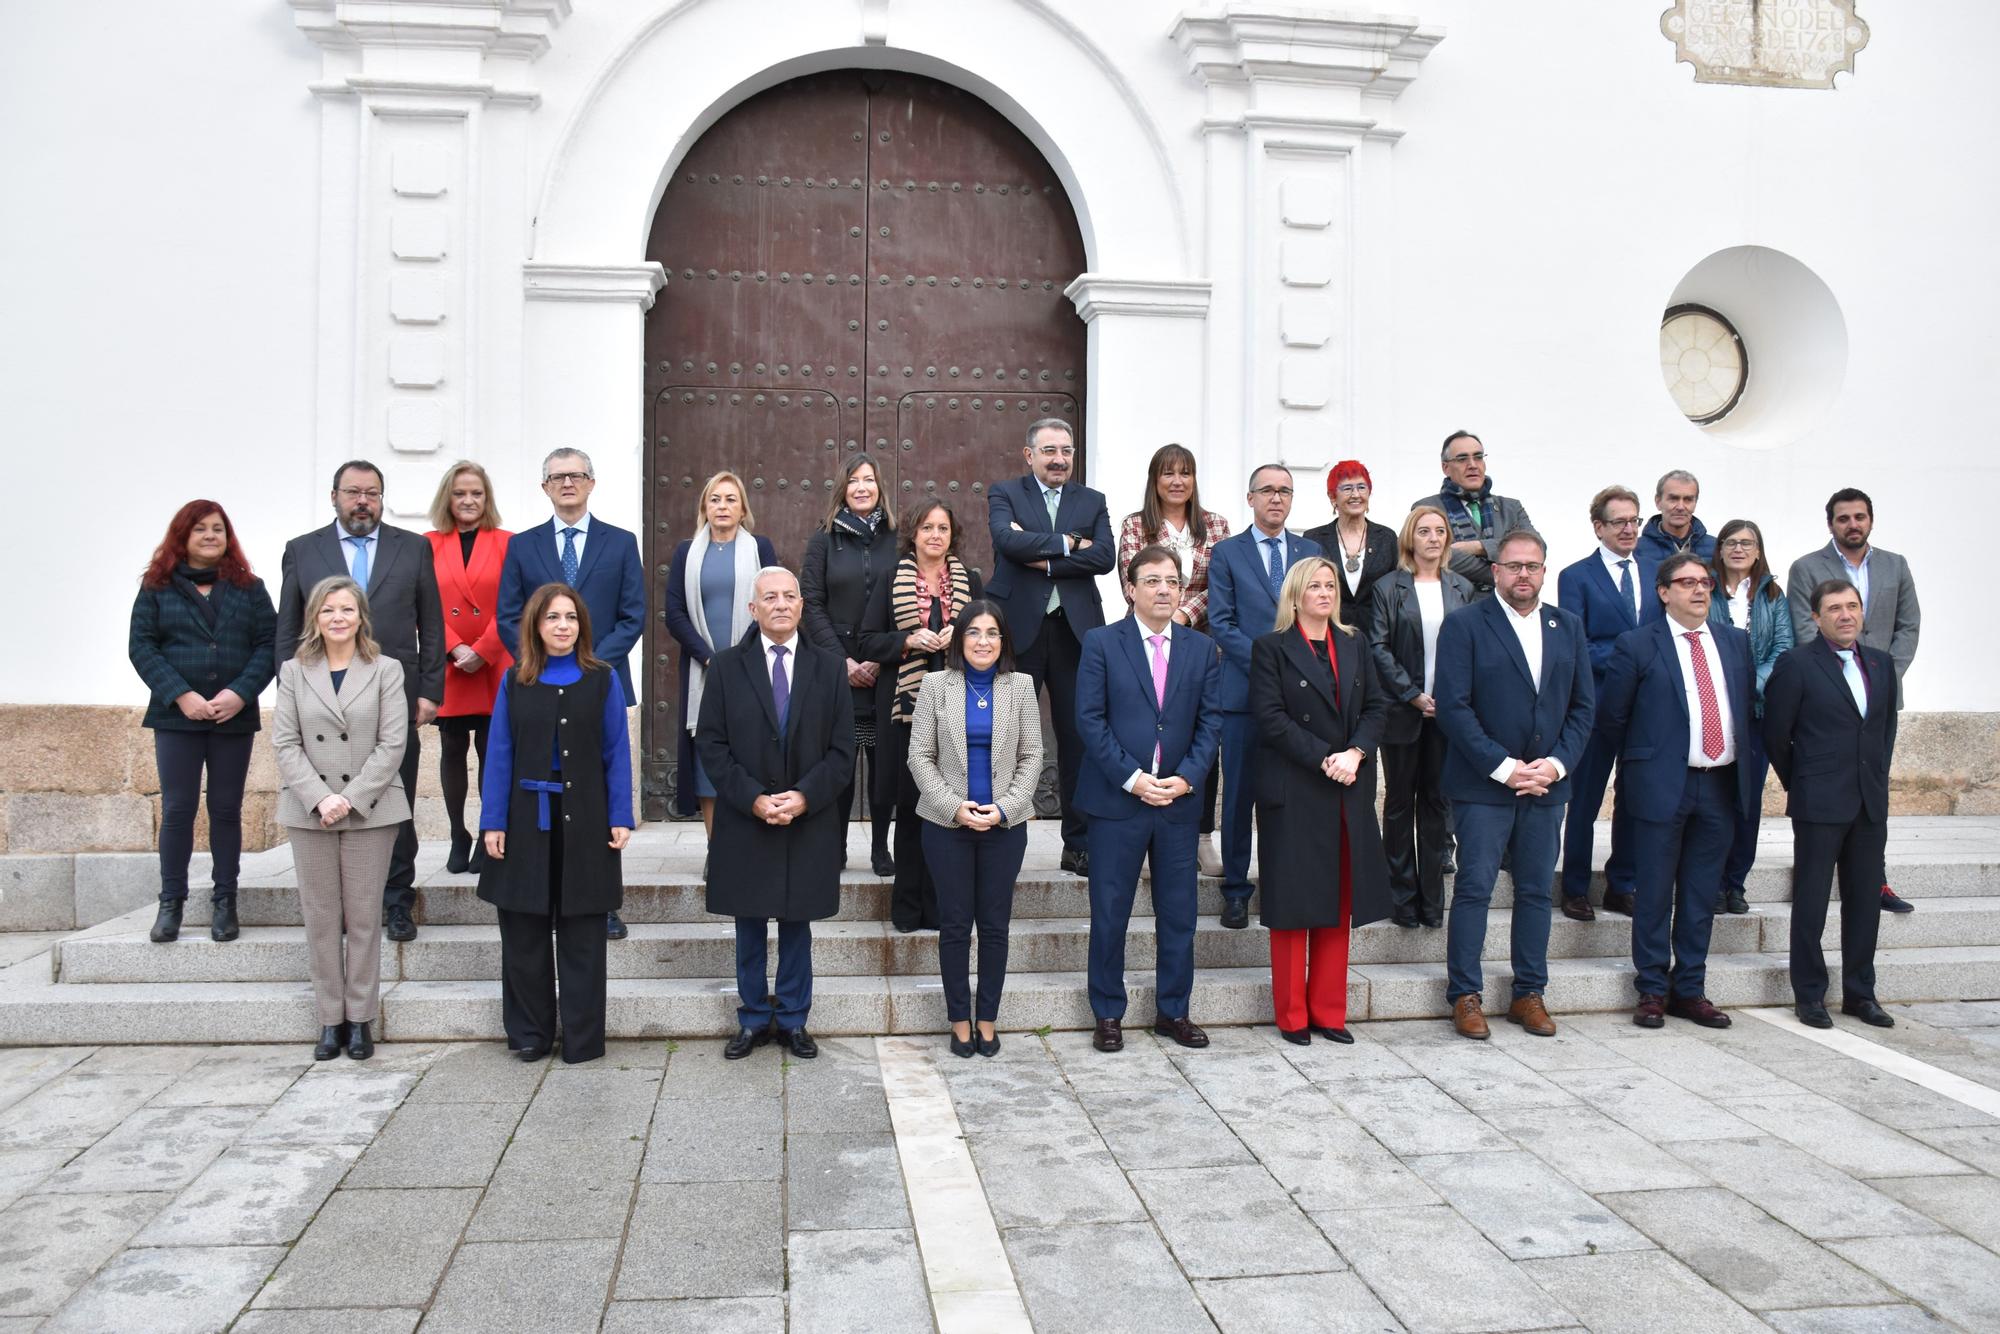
(1319, 719)
(468, 547)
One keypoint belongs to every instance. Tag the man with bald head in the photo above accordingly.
(777, 737)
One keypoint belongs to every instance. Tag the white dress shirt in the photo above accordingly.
(1430, 610)
(1697, 758)
(1857, 574)
(791, 648)
(582, 526)
(1146, 647)
(1527, 629)
(1611, 559)
(350, 544)
(1739, 603)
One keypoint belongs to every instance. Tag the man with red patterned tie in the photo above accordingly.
(1675, 707)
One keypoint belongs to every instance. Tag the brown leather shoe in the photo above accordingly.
(1181, 1030)
(1578, 909)
(1697, 1009)
(1651, 1012)
(1529, 1012)
(1110, 1036)
(1468, 1020)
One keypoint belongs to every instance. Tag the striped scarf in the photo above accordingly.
(903, 606)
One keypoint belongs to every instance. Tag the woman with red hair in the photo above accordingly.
(201, 640)
(1361, 550)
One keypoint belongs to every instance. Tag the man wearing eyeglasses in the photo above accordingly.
(394, 567)
(597, 559)
(1675, 529)
(1479, 519)
(1051, 539)
(1676, 707)
(1245, 573)
(1611, 591)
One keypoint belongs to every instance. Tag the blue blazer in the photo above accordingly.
(1120, 719)
(1240, 606)
(1488, 707)
(1586, 589)
(609, 577)
(1642, 711)
(1022, 592)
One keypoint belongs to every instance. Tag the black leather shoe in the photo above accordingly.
(1298, 1037)
(529, 1055)
(1339, 1035)
(745, 1041)
(397, 924)
(1892, 903)
(1236, 914)
(883, 865)
(331, 1039)
(167, 926)
(1407, 923)
(477, 861)
(1110, 1036)
(1183, 1031)
(964, 1046)
(222, 918)
(800, 1043)
(360, 1045)
(988, 1046)
(1614, 901)
(1076, 861)
(1734, 902)
(1813, 1016)
(459, 860)
(614, 927)
(1434, 923)
(1868, 1012)
(1447, 863)
(1577, 908)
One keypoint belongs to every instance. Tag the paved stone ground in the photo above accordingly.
(1609, 1179)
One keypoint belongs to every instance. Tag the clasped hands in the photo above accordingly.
(979, 818)
(1160, 791)
(922, 640)
(779, 808)
(1344, 766)
(1075, 544)
(196, 708)
(1533, 778)
(862, 674)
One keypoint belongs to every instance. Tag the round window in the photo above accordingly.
(1703, 362)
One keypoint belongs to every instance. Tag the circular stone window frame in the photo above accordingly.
(1742, 355)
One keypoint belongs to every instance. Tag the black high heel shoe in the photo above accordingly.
(1340, 1035)
(1298, 1037)
(988, 1046)
(460, 859)
(167, 926)
(360, 1046)
(962, 1046)
(222, 925)
(331, 1039)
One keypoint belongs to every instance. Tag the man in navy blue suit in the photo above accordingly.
(1610, 590)
(1148, 711)
(1051, 539)
(1514, 701)
(1244, 574)
(598, 560)
(1676, 706)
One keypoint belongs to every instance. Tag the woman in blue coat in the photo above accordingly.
(1747, 596)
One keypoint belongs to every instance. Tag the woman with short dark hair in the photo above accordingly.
(1748, 597)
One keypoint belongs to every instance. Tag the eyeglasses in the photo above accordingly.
(1521, 566)
(1152, 581)
(1056, 451)
(1476, 456)
(566, 478)
(355, 493)
(1351, 489)
(1619, 524)
(1690, 584)
(1282, 492)
(1740, 544)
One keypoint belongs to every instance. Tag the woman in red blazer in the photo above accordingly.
(468, 546)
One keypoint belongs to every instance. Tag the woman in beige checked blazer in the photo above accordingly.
(975, 757)
(341, 728)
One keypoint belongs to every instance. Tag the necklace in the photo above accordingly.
(1353, 557)
(981, 698)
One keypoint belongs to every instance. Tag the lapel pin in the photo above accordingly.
(1552, 624)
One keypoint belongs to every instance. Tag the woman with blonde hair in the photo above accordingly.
(468, 549)
(708, 610)
(1318, 714)
(341, 727)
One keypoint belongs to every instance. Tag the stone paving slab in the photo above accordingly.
(395, 1242)
(54, 1243)
(705, 1239)
(153, 1149)
(858, 1282)
(349, 1321)
(1296, 1303)
(1436, 1273)
(1641, 1292)
(182, 1290)
(1524, 1207)
(252, 1195)
(1801, 1191)
(1063, 1273)
(1950, 1275)
(835, 1182)
(332, 1105)
(1232, 1222)
(523, 1287)
(438, 1144)
(1968, 1205)
(22, 1170)
(697, 1315)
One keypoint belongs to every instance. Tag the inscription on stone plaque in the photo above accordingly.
(1766, 43)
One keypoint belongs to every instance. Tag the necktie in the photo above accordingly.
(781, 689)
(1472, 508)
(1704, 689)
(1857, 684)
(1274, 561)
(1053, 499)
(569, 557)
(1625, 584)
(1159, 685)
(359, 567)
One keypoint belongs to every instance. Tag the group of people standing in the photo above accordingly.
(1298, 659)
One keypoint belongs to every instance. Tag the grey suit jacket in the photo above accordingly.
(1892, 619)
(403, 601)
(348, 741)
(937, 746)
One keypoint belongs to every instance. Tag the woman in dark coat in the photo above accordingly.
(1319, 719)
(201, 640)
(853, 552)
(1363, 549)
(555, 800)
(1404, 618)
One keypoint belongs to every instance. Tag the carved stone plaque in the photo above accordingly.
(1766, 43)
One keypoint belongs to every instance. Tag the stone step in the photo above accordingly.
(234, 1012)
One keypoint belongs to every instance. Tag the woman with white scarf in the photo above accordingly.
(708, 609)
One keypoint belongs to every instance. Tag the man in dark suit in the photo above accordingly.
(777, 737)
(1830, 728)
(1610, 590)
(1244, 575)
(1051, 539)
(1514, 700)
(394, 565)
(600, 561)
(1147, 706)
(1676, 704)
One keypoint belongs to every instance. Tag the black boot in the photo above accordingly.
(460, 860)
(477, 861)
(360, 1046)
(331, 1039)
(167, 926)
(222, 918)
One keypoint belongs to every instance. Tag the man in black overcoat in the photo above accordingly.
(777, 738)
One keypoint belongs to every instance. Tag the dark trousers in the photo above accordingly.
(1117, 850)
(180, 758)
(1743, 843)
(1209, 791)
(1416, 823)
(399, 891)
(1857, 851)
(1586, 795)
(1674, 907)
(913, 899)
(864, 777)
(457, 735)
(1052, 661)
(1532, 834)
(975, 873)
(1239, 751)
(795, 973)
(537, 949)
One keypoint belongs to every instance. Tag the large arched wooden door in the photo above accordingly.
(856, 261)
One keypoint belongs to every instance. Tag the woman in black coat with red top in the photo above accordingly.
(1319, 719)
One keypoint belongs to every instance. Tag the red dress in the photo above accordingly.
(470, 594)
